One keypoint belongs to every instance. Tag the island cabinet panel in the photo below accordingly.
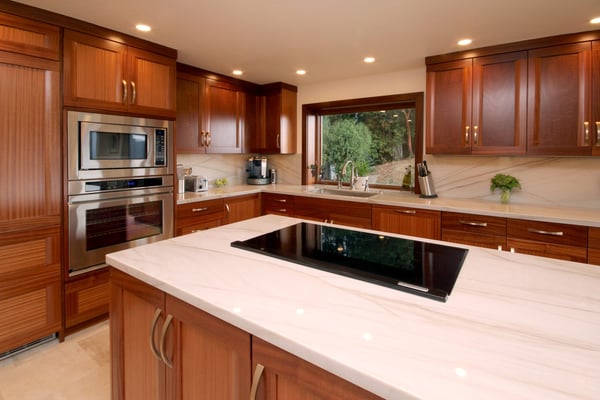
(338, 212)
(197, 216)
(474, 230)
(108, 75)
(547, 239)
(211, 115)
(287, 377)
(240, 208)
(163, 348)
(478, 106)
(407, 221)
(279, 204)
(559, 104)
(594, 246)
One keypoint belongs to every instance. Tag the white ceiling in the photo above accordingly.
(270, 39)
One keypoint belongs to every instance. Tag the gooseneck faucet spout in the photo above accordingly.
(353, 178)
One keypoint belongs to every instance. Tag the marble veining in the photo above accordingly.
(514, 327)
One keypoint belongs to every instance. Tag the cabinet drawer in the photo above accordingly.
(277, 204)
(477, 224)
(594, 238)
(547, 232)
(547, 249)
(474, 239)
(214, 209)
(86, 298)
(407, 221)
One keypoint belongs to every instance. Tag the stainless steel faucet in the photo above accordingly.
(353, 178)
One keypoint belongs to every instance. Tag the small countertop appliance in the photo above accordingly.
(258, 171)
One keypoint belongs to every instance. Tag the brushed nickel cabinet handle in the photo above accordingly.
(124, 91)
(199, 209)
(406, 211)
(586, 132)
(281, 200)
(208, 138)
(475, 140)
(163, 344)
(201, 139)
(540, 232)
(466, 135)
(133, 92)
(472, 223)
(597, 133)
(282, 210)
(278, 141)
(227, 208)
(153, 348)
(258, 371)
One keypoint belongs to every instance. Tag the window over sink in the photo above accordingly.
(382, 136)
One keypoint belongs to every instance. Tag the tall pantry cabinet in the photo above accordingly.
(30, 182)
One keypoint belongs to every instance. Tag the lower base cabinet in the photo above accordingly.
(86, 299)
(164, 348)
(283, 376)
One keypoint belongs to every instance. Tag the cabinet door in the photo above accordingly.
(240, 208)
(25, 36)
(449, 98)
(86, 298)
(224, 115)
(136, 317)
(595, 122)
(287, 377)
(276, 121)
(407, 221)
(499, 104)
(94, 72)
(559, 100)
(211, 358)
(152, 83)
(594, 246)
(189, 125)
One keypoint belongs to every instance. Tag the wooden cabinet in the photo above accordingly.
(30, 285)
(559, 121)
(211, 115)
(279, 204)
(595, 122)
(338, 212)
(30, 182)
(86, 299)
(547, 239)
(108, 75)
(276, 122)
(474, 230)
(240, 208)
(192, 217)
(594, 246)
(163, 348)
(287, 377)
(407, 221)
(478, 106)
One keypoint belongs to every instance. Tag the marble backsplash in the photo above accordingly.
(550, 181)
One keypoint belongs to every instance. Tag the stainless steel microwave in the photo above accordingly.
(111, 146)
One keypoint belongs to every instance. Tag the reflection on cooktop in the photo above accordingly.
(422, 268)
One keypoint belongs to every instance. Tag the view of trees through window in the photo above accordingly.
(381, 144)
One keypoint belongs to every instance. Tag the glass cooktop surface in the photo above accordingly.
(421, 268)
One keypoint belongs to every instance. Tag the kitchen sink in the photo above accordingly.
(345, 192)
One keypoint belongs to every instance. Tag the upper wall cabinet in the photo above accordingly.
(537, 97)
(211, 115)
(108, 75)
(24, 36)
(560, 100)
(276, 121)
(478, 105)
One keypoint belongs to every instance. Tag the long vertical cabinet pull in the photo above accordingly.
(163, 344)
(586, 132)
(475, 135)
(133, 92)
(258, 371)
(124, 91)
(467, 136)
(597, 133)
(153, 347)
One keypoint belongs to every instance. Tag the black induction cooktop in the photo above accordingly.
(421, 268)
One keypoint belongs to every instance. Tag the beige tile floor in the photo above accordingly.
(77, 369)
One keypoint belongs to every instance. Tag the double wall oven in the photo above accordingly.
(120, 185)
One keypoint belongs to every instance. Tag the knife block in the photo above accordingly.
(427, 188)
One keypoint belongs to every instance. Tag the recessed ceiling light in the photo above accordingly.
(301, 72)
(464, 42)
(238, 72)
(143, 27)
(595, 20)
(369, 59)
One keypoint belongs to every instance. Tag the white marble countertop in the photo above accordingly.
(565, 215)
(514, 327)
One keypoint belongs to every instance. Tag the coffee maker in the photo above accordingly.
(258, 171)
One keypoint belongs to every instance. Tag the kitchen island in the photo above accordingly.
(514, 326)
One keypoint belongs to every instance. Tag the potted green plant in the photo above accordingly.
(506, 183)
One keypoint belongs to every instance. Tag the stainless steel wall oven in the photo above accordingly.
(120, 188)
